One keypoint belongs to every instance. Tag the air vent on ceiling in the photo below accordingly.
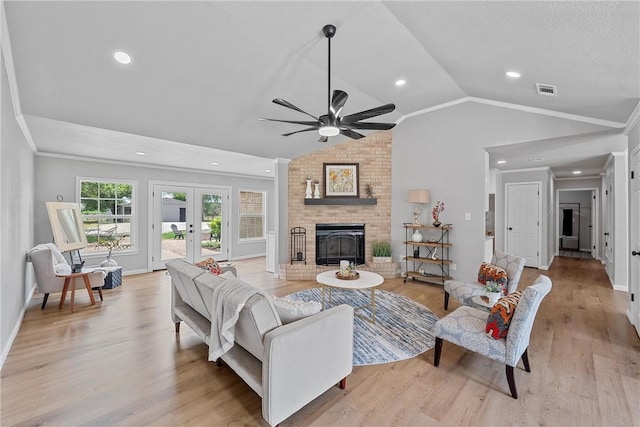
(547, 90)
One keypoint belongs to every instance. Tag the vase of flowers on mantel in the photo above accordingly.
(435, 213)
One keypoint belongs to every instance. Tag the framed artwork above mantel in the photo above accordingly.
(341, 180)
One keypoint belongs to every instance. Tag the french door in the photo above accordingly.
(523, 222)
(189, 222)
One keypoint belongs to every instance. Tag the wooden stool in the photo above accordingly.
(70, 279)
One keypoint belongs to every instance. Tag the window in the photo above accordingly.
(252, 206)
(108, 214)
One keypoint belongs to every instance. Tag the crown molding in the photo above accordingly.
(13, 82)
(518, 107)
(634, 118)
(151, 166)
(542, 168)
(434, 108)
(551, 113)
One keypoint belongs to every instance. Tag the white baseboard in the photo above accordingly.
(546, 267)
(16, 329)
(131, 272)
(621, 288)
(248, 256)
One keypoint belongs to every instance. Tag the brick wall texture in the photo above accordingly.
(373, 154)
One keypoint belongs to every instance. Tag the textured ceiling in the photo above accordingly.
(202, 72)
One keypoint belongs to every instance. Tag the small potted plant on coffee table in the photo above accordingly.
(493, 291)
(381, 251)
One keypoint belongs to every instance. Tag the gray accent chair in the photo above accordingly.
(465, 327)
(464, 291)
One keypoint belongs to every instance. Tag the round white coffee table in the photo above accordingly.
(367, 280)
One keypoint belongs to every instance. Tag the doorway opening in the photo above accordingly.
(576, 225)
(189, 222)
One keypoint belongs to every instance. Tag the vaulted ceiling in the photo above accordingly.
(202, 72)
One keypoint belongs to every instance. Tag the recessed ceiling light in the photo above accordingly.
(536, 159)
(513, 74)
(400, 82)
(577, 172)
(267, 170)
(501, 162)
(215, 163)
(141, 153)
(122, 57)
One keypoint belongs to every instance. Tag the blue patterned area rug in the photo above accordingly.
(403, 328)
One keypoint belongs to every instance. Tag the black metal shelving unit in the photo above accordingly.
(419, 262)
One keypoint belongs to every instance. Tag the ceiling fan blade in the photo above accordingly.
(351, 134)
(371, 125)
(337, 102)
(323, 139)
(298, 131)
(367, 114)
(287, 104)
(296, 122)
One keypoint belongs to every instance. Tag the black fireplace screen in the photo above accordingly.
(336, 242)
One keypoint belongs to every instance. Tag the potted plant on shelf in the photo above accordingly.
(381, 251)
(493, 291)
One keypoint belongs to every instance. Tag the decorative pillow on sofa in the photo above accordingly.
(500, 316)
(290, 310)
(491, 273)
(210, 265)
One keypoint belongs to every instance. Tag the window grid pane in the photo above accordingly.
(107, 214)
(251, 215)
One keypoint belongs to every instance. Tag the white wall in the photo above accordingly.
(16, 218)
(443, 151)
(55, 176)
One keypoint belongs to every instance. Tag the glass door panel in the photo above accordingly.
(173, 241)
(211, 215)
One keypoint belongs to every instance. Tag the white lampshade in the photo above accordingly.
(419, 196)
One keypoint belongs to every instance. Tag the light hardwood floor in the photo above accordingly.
(120, 363)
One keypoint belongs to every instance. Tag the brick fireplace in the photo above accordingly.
(373, 154)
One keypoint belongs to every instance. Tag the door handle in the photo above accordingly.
(510, 228)
(606, 234)
(635, 253)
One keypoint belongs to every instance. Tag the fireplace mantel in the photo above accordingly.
(341, 201)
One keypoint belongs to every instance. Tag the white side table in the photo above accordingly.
(367, 280)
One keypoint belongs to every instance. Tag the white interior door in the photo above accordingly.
(523, 221)
(189, 222)
(634, 282)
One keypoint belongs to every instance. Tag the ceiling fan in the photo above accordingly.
(332, 124)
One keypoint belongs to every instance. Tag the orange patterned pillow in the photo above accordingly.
(491, 273)
(501, 314)
(210, 265)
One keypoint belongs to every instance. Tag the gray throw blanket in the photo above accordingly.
(228, 299)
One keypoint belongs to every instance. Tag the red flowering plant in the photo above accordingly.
(437, 210)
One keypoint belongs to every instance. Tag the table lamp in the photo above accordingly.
(419, 197)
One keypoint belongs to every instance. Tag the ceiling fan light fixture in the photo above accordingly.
(328, 131)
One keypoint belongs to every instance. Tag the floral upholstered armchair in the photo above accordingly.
(467, 327)
(464, 291)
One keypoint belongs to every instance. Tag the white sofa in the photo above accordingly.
(287, 365)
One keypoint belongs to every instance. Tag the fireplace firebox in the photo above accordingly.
(336, 242)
